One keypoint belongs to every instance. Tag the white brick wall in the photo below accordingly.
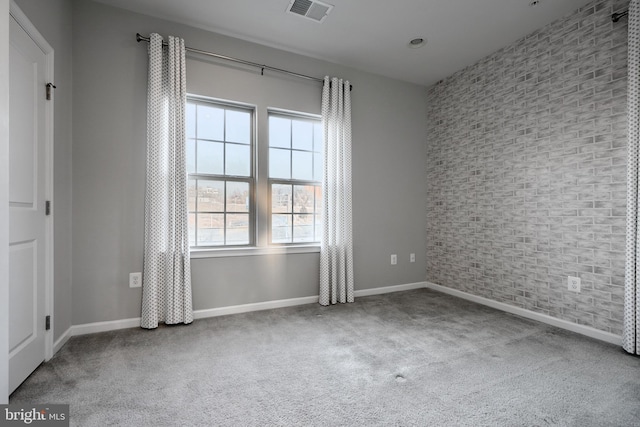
(527, 168)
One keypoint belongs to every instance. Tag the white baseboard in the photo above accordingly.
(258, 306)
(90, 328)
(389, 289)
(112, 325)
(268, 305)
(62, 340)
(574, 327)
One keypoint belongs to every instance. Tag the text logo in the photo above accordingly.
(34, 415)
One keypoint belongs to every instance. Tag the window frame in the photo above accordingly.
(314, 119)
(260, 188)
(251, 180)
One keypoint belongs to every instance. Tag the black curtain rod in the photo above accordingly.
(616, 16)
(140, 38)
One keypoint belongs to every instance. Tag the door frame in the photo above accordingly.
(46, 48)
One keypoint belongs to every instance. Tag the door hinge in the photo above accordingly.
(47, 323)
(49, 86)
(47, 208)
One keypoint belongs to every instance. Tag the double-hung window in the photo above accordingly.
(295, 178)
(221, 173)
(228, 205)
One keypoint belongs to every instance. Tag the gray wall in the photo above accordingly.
(109, 108)
(526, 171)
(52, 18)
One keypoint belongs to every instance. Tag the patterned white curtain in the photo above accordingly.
(631, 331)
(336, 254)
(166, 291)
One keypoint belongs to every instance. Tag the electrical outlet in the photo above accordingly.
(412, 258)
(394, 259)
(574, 284)
(135, 280)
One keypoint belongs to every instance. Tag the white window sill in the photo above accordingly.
(253, 251)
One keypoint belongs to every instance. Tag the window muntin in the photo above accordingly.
(295, 213)
(295, 178)
(220, 169)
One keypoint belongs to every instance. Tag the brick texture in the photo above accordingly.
(526, 165)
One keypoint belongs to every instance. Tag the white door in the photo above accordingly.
(27, 220)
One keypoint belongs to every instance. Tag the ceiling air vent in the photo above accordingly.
(314, 10)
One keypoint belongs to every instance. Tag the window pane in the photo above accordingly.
(192, 229)
(303, 199)
(280, 198)
(318, 170)
(279, 163)
(296, 153)
(318, 138)
(238, 160)
(210, 229)
(237, 196)
(302, 165)
(210, 156)
(191, 155)
(210, 123)
(279, 132)
(302, 135)
(191, 120)
(238, 126)
(210, 196)
(219, 142)
(303, 228)
(281, 228)
(191, 195)
(237, 229)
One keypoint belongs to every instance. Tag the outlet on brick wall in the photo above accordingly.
(573, 284)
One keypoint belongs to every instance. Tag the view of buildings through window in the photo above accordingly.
(295, 178)
(221, 186)
(219, 164)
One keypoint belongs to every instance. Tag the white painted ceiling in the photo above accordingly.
(371, 35)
